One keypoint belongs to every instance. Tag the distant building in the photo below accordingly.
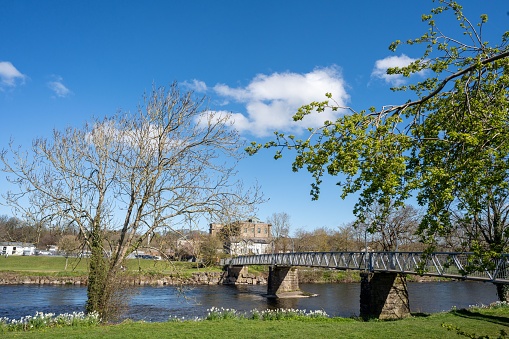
(250, 246)
(246, 237)
(252, 228)
(17, 248)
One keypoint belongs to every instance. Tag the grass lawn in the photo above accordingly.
(55, 266)
(474, 322)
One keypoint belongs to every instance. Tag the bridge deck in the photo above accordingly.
(442, 264)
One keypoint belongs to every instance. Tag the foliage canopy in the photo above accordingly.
(448, 147)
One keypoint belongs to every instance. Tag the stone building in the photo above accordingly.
(252, 228)
(244, 237)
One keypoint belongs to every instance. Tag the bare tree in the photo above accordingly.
(483, 229)
(280, 230)
(69, 245)
(318, 240)
(280, 224)
(346, 238)
(132, 173)
(230, 222)
(393, 230)
(11, 229)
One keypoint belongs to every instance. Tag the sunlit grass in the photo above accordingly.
(38, 265)
(475, 322)
(55, 266)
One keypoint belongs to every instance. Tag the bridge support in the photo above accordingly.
(384, 296)
(239, 275)
(234, 274)
(502, 292)
(282, 279)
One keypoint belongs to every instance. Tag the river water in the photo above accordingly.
(159, 303)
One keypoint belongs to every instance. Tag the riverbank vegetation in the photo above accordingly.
(475, 322)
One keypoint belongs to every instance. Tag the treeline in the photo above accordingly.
(397, 231)
(41, 235)
(173, 244)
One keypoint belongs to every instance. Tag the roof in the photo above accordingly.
(16, 243)
(253, 240)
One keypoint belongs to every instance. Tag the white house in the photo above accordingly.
(250, 246)
(17, 248)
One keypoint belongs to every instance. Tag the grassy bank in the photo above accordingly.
(473, 323)
(310, 275)
(56, 266)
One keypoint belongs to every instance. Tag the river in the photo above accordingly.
(158, 303)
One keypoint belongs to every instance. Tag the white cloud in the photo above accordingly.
(9, 75)
(58, 87)
(271, 100)
(381, 66)
(196, 86)
(213, 117)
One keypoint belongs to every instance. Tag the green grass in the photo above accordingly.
(159, 268)
(55, 266)
(473, 322)
(43, 265)
(258, 269)
(322, 275)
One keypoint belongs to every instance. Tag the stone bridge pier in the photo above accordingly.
(239, 275)
(384, 296)
(282, 279)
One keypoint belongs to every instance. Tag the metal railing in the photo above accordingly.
(442, 264)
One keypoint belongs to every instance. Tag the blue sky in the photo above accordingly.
(63, 62)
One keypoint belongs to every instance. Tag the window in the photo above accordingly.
(259, 230)
(245, 229)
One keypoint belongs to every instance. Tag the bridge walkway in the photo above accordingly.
(454, 265)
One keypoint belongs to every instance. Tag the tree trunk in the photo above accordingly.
(97, 294)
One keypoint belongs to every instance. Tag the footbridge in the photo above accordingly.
(383, 274)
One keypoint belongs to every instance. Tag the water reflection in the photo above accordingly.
(159, 303)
